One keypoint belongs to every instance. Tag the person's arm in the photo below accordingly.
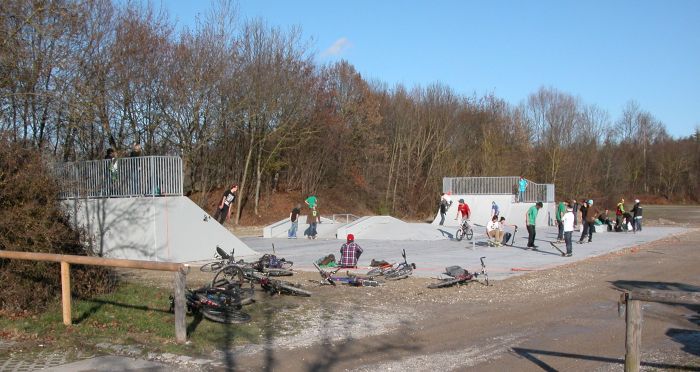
(223, 199)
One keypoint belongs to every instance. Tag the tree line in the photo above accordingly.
(243, 101)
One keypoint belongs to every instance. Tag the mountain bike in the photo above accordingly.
(329, 277)
(465, 231)
(216, 304)
(395, 272)
(458, 275)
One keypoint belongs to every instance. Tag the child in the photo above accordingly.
(568, 222)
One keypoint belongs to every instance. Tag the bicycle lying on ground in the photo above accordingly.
(329, 277)
(465, 231)
(458, 275)
(268, 263)
(394, 272)
(218, 304)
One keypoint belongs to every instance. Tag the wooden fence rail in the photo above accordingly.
(66, 260)
(633, 318)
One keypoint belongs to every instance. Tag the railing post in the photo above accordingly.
(65, 292)
(633, 336)
(180, 324)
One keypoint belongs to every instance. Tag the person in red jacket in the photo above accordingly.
(463, 212)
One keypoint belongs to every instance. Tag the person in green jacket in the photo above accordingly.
(561, 210)
(530, 218)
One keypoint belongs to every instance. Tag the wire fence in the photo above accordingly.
(534, 192)
(124, 177)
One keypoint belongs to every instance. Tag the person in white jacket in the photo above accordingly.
(568, 222)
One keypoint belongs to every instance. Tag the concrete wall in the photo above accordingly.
(480, 206)
(172, 229)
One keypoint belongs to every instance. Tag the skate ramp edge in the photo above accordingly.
(168, 229)
(326, 229)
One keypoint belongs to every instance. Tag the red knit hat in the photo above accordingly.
(351, 238)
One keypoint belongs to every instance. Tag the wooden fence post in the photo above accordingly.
(180, 323)
(65, 292)
(633, 337)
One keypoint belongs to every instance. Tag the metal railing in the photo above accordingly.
(122, 177)
(498, 186)
(344, 218)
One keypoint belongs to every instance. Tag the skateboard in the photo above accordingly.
(493, 243)
(557, 248)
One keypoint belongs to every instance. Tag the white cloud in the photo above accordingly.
(338, 47)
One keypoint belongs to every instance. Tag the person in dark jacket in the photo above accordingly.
(589, 215)
(636, 216)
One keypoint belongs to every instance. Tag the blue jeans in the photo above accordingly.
(312, 230)
(560, 233)
(521, 195)
(292, 233)
(567, 239)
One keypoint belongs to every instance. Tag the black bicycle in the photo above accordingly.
(465, 231)
(457, 275)
(218, 304)
(329, 277)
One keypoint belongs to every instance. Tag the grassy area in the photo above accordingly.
(139, 315)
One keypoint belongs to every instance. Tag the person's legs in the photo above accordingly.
(221, 214)
(442, 218)
(567, 239)
(638, 222)
(530, 236)
(499, 236)
(591, 230)
(560, 232)
(313, 230)
(584, 232)
(292, 233)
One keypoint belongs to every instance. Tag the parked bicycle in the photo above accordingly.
(457, 275)
(221, 305)
(329, 277)
(394, 272)
(464, 231)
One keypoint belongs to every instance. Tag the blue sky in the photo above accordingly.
(606, 52)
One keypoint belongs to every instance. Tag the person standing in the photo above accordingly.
(522, 187)
(588, 217)
(568, 223)
(619, 212)
(636, 216)
(494, 209)
(463, 212)
(561, 210)
(311, 201)
(313, 218)
(445, 203)
(350, 252)
(575, 205)
(223, 212)
(294, 219)
(530, 222)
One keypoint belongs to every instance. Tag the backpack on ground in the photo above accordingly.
(327, 261)
(506, 238)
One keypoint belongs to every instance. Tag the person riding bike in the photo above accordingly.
(463, 212)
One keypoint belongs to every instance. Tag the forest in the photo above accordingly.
(241, 101)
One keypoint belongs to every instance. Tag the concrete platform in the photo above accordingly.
(432, 256)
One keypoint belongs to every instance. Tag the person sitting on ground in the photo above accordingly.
(506, 235)
(605, 220)
(349, 253)
(493, 230)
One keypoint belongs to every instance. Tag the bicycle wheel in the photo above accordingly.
(228, 275)
(470, 234)
(375, 272)
(401, 273)
(286, 264)
(225, 315)
(278, 272)
(291, 289)
(459, 234)
(444, 283)
(212, 267)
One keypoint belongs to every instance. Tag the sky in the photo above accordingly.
(605, 52)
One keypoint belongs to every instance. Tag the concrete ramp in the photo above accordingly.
(325, 230)
(390, 228)
(480, 206)
(171, 229)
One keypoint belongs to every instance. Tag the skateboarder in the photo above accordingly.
(530, 219)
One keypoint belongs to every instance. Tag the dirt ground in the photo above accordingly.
(564, 318)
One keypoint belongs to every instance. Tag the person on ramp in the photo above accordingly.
(223, 213)
(530, 220)
(350, 252)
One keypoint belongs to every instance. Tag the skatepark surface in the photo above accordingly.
(432, 256)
